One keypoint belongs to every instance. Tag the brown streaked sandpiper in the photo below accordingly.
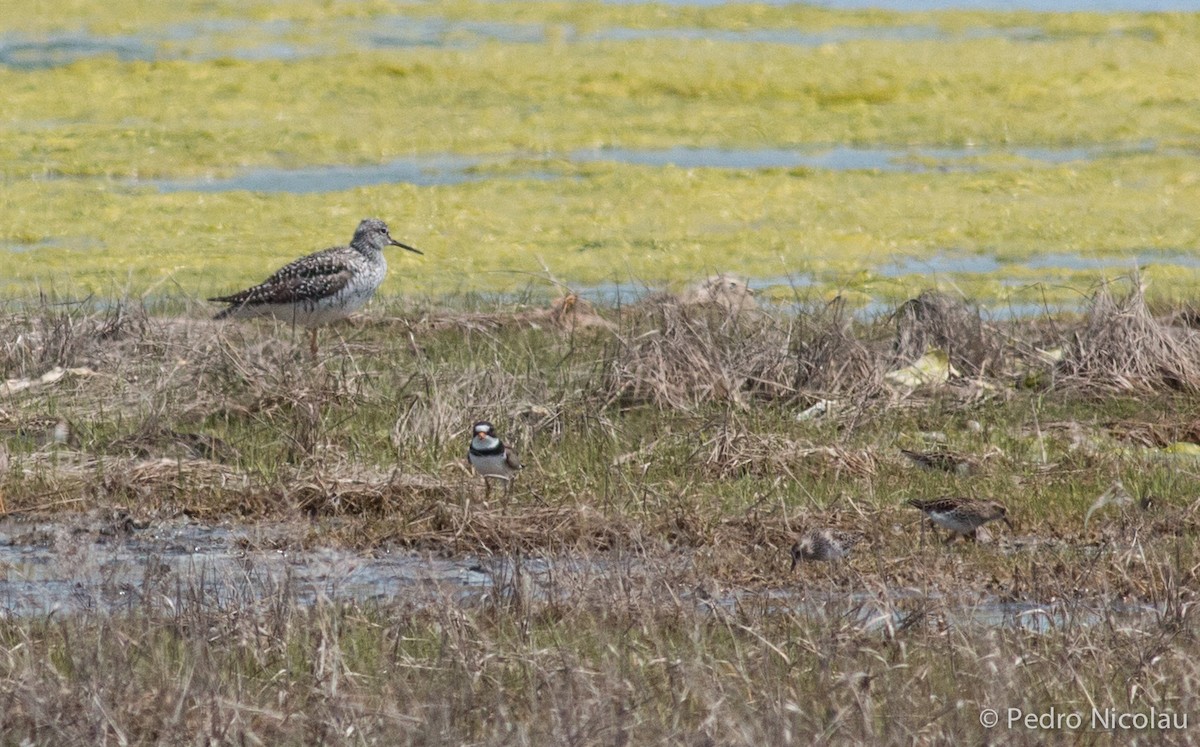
(961, 516)
(823, 544)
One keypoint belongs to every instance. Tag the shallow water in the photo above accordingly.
(848, 158)
(50, 568)
(65, 568)
(943, 263)
(420, 170)
(283, 40)
(1140, 259)
(24, 53)
(286, 40)
(447, 168)
(795, 37)
(1014, 274)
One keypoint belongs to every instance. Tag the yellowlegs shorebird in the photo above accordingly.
(322, 287)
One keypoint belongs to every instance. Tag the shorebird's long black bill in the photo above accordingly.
(393, 242)
(1009, 522)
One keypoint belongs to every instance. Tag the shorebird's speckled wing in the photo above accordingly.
(320, 275)
(937, 504)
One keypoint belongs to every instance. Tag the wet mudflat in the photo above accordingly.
(103, 565)
(106, 562)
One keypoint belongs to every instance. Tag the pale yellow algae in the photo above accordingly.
(78, 140)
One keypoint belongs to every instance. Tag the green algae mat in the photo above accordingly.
(1016, 158)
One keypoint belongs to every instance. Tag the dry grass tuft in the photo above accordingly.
(66, 336)
(937, 320)
(830, 360)
(568, 313)
(1122, 347)
(693, 355)
(356, 490)
(732, 454)
(50, 480)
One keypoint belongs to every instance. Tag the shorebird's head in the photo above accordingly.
(373, 233)
(802, 550)
(483, 436)
(995, 511)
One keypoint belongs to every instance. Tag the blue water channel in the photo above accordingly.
(286, 40)
(442, 169)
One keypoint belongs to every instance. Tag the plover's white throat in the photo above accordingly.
(322, 287)
(489, 457)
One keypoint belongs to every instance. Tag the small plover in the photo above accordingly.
(322, 287)
(823, 544)
(961, 516)
(490, 457)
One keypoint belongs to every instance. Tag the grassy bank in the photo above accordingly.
(663, 439)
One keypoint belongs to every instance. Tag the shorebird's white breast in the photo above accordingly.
(489, 465)
(953, 521)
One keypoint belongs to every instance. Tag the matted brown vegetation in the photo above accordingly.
(692, 356)
(1121, 346)
(937, 320)
(638, 585)
(831, 359)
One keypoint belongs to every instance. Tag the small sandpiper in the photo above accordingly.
(961, 516)
(322, 287)
(491, 458)
(823, 544)
(941, 460)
